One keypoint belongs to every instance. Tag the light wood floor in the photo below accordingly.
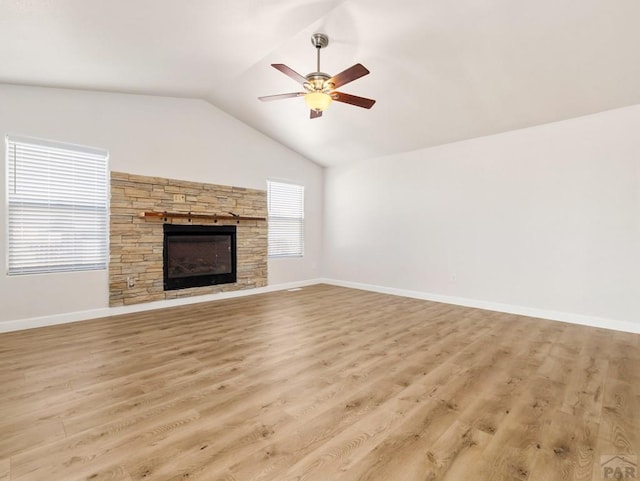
(321, 384)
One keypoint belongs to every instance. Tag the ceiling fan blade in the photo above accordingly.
(353, 100)
(290, 72)
(268, 98)
(315, 114)
(349, 75)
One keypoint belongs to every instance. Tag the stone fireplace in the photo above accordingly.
(137, 244)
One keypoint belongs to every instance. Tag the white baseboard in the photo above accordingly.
(615, 325)
(33, 322)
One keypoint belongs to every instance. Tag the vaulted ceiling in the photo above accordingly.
(441, 70)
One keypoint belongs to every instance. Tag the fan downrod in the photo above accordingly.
(316, 80)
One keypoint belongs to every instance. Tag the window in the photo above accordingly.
(57, 203)
(286, 219)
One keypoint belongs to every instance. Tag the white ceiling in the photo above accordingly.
(441, 70)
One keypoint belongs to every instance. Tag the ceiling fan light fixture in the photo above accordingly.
(320, 87)
(317, 101)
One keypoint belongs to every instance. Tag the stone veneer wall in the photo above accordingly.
(136, 243)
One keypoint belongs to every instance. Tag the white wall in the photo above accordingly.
(546, 218)
(156, 136)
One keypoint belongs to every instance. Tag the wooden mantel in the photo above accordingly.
(191, 215)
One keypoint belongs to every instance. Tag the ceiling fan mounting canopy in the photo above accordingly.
(319, 86)
(319, 40)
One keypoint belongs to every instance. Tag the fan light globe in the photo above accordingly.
(317, 101)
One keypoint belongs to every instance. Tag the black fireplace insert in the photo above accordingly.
(198, 255)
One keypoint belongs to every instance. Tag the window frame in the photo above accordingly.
(278, 249)
(67, 186)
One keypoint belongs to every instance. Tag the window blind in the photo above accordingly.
(286, 219)
(57, 206)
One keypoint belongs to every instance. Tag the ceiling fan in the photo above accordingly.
(319, 86)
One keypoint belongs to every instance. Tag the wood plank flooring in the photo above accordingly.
(319, 384)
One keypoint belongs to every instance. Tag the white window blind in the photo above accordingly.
(286, 219)
(57, 203)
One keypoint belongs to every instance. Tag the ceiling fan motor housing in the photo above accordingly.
(318, 82)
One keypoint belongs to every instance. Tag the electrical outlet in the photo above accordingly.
(179, 198)
(131, 282)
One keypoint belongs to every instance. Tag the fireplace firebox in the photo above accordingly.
(198, 255)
